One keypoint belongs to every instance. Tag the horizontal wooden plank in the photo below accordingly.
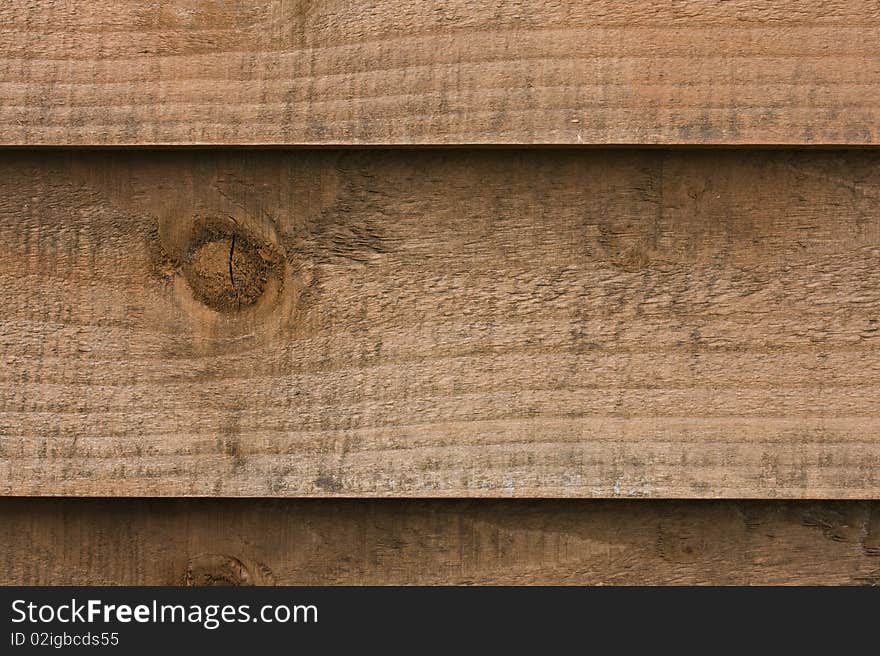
(355, 542)
(96, 72)
(446, 323)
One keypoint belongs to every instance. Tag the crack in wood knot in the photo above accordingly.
(228, 270)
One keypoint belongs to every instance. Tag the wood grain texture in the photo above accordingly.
(102, 72)
(438, 324)
(386, 542)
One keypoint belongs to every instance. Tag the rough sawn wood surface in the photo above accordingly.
(447, 323)
(391, 72)
(397, 542)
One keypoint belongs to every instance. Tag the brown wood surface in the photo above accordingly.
(457, 72)
(327, 542)
(447, 323)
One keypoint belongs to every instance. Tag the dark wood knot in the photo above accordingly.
(229, 270)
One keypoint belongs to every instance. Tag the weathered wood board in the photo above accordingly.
(125, 72)
(386, 542)
(440, 323)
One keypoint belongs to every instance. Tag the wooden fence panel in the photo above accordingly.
(125, 72)
(382, 542)
(440, 323)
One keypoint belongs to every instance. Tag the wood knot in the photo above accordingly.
(217, 569)
(229, 278)
(228, 270)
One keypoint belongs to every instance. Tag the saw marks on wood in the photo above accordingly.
(393, 542)
(93, 72)
(446, 323)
